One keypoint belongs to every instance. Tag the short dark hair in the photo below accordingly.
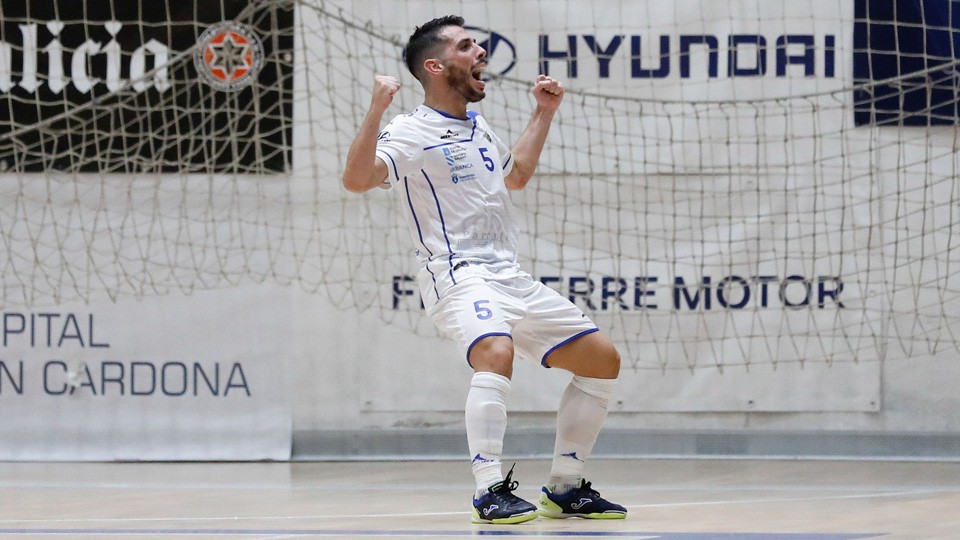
(425, 40)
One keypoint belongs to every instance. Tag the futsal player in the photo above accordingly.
(452, 175)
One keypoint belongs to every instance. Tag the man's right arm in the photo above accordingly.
(364, 170)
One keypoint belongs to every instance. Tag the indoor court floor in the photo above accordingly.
(669, 499)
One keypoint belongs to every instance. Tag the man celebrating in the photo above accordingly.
(453, 173)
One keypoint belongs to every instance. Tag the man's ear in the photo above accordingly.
(432, 65)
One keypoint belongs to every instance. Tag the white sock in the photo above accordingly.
(486, 419)
(583, 408)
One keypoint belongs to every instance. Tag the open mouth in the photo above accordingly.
(478, 72)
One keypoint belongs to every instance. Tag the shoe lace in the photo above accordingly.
(507, 485)
(585, 487)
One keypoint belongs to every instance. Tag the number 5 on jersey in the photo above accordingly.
(483, 313)
(487, 161)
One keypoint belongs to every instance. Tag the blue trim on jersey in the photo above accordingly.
(473, 131)
(505, 163)
(406, 187)
(543, 361)
(470, 348)
(396, 174)
(448, 115)
(443, 226)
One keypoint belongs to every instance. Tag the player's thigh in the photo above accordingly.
(473, 310)
(552, 321)
(588, 355)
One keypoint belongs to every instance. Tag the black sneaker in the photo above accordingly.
(499, 506)
(582, 501)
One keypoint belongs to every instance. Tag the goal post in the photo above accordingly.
(721, 188)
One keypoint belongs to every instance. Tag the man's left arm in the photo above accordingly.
(548, 94)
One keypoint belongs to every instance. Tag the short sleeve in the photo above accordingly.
(399, 147)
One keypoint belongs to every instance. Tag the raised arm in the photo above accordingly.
(526, 151)
(364, 170)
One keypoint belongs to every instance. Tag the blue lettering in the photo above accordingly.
(806, 59)
(400, 289)
(9, 328)
(679, 288)
(573, 290)
(764, 281)
(606, 293)
(198, 372)
(238, 371)
(41, 325)
(91, 341)
(49, 318)
(829, 52)
(86, 381)
(133, 378)
(734, 69)
(712, 54)
(569, 55)
(104, 378)
(823, 293)
(16, 383)
(636, 68)
(46, 377)
(604, 55)
(640, 291)
(722, 291)
(164, 377)
(783, 292)
(68, 322)
(746, 54)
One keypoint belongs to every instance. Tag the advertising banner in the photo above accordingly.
(201, 377)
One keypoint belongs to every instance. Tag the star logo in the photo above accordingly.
(229, 57)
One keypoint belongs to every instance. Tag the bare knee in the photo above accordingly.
(592, 355)
(611, 362)
(493, 354)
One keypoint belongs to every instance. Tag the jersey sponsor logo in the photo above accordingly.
(448, 156)
(454, 155)
(384, 136)
(448, 135)
(229, 57)
(457, 178)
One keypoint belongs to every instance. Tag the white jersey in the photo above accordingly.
(450, 174)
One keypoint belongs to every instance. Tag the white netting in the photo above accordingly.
(762, 226)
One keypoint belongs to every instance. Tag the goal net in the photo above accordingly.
(722, 187)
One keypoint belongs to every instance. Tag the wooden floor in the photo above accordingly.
(668, 499)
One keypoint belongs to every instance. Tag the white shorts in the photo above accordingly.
(535, 316)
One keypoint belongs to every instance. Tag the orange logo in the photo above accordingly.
(229, 56)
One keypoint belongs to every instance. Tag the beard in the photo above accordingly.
(462, 81)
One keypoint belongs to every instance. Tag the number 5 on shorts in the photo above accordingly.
(483, 313)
